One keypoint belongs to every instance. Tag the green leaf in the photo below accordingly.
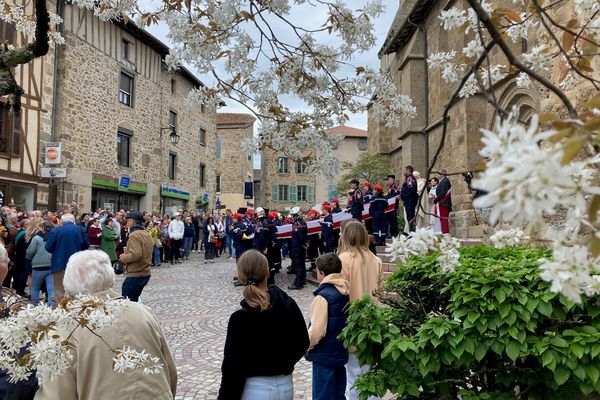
(545, 308)
(593, 373)
(577, 349)
(480, 352)
(561, 375)
(547, 358)
(512, 350)
(504, 309)
(558, 341)
(595, 350)
(500, 294)
(580, 372)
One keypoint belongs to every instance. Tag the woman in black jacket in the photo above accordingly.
(265, 338)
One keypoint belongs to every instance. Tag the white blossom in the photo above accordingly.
(453, 18)
(523, 80)
(586, 7)
(538, 58)
(424, 241)
(130, 359)
(473, 49)
(570, 272)
(508, 237)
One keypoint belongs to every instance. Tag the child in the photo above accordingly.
(327, 319)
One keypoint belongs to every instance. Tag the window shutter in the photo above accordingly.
(309, 194)
(275, 193)
(293, 193)
(16, 137)
(330, 190)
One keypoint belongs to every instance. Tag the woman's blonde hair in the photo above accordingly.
(353, 238)
(34, 226)
(253, 270)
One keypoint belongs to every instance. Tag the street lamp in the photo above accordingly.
(173, 135)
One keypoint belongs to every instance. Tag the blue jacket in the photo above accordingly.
(64, 241)
(330, 351)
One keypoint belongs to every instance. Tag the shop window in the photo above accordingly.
(202, 137)
(202, 175)
(126, 88)
(173, 119)
(218, 190)
(282, 165)
(218, 149)
(124, 147)
(172, 165)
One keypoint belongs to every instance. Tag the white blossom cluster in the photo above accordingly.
(39, 338)
(424, 241)
(127, 359)
(15, 13)
(508, 237)
(519, 191)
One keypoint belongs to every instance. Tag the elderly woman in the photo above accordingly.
(91, 376)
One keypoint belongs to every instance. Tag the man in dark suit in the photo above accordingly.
(444, 199)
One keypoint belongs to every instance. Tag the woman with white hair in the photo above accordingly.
(91, 375)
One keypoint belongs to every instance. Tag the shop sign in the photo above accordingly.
(124, 183)
(53, 153)
(169, 191)
(54, 172)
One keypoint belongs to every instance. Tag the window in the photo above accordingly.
(301, 168)
(202, 137)
(172, 85)
(202, 175)
(283, 193)
(125, 48)
(7, 32)
(218, 149)
(218, 190)
(126, 89)
(330, 192)
(282, 165)
(202, 108)
(172, 165)
(10, 132)
(362, 144)
(173, 119)
(124, 147)
(301, 193)
(524, 45)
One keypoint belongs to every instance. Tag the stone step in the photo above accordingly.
(389, 267)
(468, 242)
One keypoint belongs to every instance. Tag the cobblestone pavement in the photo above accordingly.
(193, 301)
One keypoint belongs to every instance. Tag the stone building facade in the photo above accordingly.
(415, 34)
(234, 169)
(285, 183)
(353, 145)
(115, 105)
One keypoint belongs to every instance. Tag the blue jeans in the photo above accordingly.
(279, 387)
(188, 242)
(329, 383)
(284, 248)
(133, 286)
(156, 254)
(38, 276)
(230, 248)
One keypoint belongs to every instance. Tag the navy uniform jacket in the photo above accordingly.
(356, 204)
(262, 235)
(367, 196)
(299, 234)
(239, 229)
(327, 230)
(409, 193)
(441, 190)
(336, 210)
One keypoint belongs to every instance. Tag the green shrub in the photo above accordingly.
(492, 329)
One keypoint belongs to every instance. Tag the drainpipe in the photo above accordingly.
(53, 187)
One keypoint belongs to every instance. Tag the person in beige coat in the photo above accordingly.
(364, 272)
(91, 375)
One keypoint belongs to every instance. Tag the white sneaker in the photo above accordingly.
(205, 261)
(212, 261)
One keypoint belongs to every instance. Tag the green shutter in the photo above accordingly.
(309, 193)
(293, 193)
(275, 193)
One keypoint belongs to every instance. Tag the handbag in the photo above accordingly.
(118, 268)
(214, 239)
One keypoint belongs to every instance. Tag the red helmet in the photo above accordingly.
(326, 203)
(326, 208)
(366, 184)
(237, 216)
(273, 215)
(335, 201)
(379, 188)
(250, 213)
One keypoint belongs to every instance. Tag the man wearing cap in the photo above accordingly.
(355, 200)
(393, 193)
(137, 257)
(444, 199)
(377, 213)
(298, 244)
(262, 239)
(410, 197)
(176, 231)
(327, 229)
(274, 251)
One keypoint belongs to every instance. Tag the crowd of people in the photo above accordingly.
(42, 250)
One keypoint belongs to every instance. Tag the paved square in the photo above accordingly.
(193, 301)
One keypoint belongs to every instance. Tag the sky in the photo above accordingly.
(306, 16)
